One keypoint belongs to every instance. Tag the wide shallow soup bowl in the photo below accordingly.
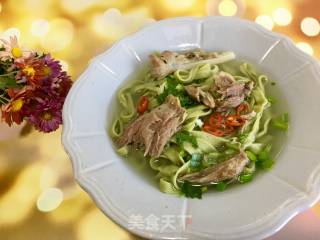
(251, 211)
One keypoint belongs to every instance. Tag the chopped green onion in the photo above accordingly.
(263, 156)
(204, 189)
(266, 164)
(123, 151)
(221, 186)
(244, 178)
(252, 157)
(264, 160)
(196, 161)
(182, 153)
(242, 137)
(272, 100)
(281, 122)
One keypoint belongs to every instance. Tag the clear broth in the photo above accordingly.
(140, 164)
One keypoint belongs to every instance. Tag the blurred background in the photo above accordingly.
(38, 196)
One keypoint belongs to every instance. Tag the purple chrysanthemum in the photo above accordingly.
(47, 115)
(58, 86)
(54, 67)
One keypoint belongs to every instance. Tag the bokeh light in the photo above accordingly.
(112, 24)
(310, 26)
(227, 8)
(83, 6)
(60, 35)
(107, 25)
(39, 27)
(282, 16)
(10, 32)
(48, 178)
(306, 47)
(49, 199)
(17, 204)
(102, 227)
(64, 64)
(265, 21)
(76, 6)
(178, 5)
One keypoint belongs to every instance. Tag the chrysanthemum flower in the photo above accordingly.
(12, 50)
(33, 69)
(47, 116)
(40, 87)
(12, 112)
(58, 86)
(52, 67)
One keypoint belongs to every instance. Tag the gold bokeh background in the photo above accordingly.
(39, 198)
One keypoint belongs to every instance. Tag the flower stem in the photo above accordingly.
(4, 98)
(2, 101)
(8, 74)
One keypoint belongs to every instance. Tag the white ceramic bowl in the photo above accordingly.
(251, 211)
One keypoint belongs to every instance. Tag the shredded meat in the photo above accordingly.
(153, 130)
(200, 95)
(232, 92)
(237, 89)
(228, 169)
(168, 61)
(232, 102)
(224, 80)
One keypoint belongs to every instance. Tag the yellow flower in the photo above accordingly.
(16, 52)
(17, 105)
(12, 49)
(29, 71)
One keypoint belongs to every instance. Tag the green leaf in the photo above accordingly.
(244, 178)
(7, 82)
(221, 186)
(162, 97)
(185, 100)
(173, 87)
(170, 88)
(185, 136)
(191, 191)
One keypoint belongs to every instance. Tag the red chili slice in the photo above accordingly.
(142, 104)
(234, 120)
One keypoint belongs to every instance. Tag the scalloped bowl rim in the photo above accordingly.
(263, 231)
